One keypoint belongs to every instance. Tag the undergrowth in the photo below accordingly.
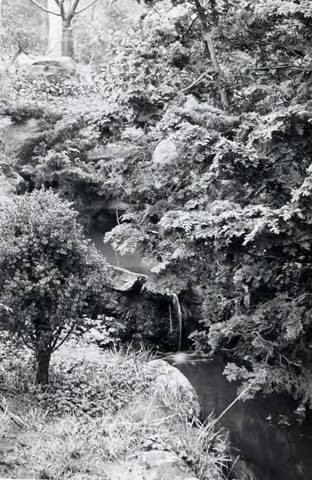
(98, 412)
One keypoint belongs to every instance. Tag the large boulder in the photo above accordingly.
(165, 153)
(174, 389)
(171, 393)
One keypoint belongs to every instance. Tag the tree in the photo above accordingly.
(50, 275)
(66, 11)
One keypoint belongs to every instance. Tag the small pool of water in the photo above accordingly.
(264, 430)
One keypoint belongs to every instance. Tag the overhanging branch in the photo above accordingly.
(86, 8)
(44, 9)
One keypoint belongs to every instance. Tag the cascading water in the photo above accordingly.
(178, 313)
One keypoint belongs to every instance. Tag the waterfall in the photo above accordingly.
(178, 313)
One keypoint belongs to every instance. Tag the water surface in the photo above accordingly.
(264, 430)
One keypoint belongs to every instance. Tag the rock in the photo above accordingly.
(47, 66)
(153, 465)
(125, 281)
(170, 390)
(5, 121)
(164, 465)
(174, 388)
(8, 185)
(18, 136)
(165, 152)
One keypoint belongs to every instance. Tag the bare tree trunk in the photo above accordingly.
(67, 40)
(212, 52)
(55, 30)
(43, 358)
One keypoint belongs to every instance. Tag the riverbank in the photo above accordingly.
(113, 415)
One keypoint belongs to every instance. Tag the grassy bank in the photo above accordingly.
(100, 415)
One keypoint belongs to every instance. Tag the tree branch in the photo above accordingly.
(14, 418)
(86, 8)
(193, 84)
(61, 6)
(72, 11)
(72, 328)
(44, 9)
(188, 30)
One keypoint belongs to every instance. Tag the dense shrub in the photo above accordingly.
(50, 274)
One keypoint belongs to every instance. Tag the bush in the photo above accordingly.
(51, 275)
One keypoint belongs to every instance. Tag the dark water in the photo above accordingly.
(263, 430)
(14, 135)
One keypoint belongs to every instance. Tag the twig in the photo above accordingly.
(278, 67)
(14, 418)
(71, 369)
(72, 328)
(232, 467)
(111, 173)
(234, 401)
(7, 309)
(199, 79)
(188, 29)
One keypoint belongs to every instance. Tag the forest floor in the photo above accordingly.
(113, 415)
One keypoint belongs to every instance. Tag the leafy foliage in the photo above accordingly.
(50, 273)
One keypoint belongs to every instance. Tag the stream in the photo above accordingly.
(263, 430)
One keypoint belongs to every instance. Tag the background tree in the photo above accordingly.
(50, 275)
(23, 30)
(66, 10)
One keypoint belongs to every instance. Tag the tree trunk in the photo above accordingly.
(67, 40)
(43, 358)
(55, 30)
(215, 63)
(208, 37)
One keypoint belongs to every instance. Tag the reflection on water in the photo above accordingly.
(264, 430)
